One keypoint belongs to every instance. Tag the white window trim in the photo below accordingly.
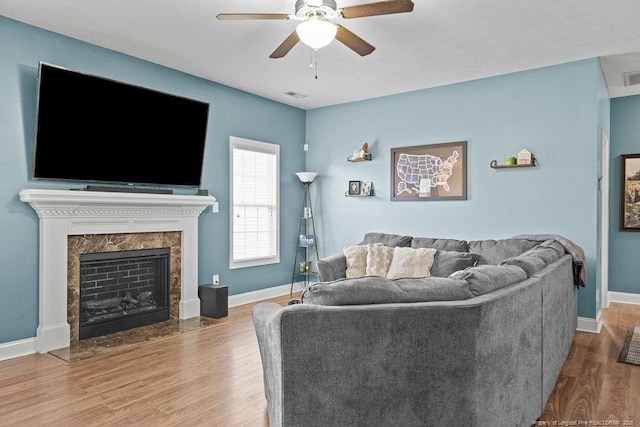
(263, 147)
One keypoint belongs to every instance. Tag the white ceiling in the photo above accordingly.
(440, 42)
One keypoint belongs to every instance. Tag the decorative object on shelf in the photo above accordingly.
(361, 154)
(525, 157)
(630, 197)
(302, 267)
(441, 173)
(354, 188)
(307, 250)
(306, 239)
(366, 189)
(359, 189)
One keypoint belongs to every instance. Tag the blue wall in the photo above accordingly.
(232, 112)
(624, 268)
(555, 112)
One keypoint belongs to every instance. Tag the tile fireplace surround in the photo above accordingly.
(65, 213)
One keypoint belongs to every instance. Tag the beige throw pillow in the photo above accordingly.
(356, 260)
(378, 259)
(410, 262)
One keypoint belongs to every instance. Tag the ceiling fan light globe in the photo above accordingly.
(316, 32)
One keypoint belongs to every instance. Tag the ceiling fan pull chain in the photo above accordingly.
(316, 65)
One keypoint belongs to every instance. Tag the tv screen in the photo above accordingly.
(93, 129)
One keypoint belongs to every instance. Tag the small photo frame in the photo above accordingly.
(354, 188)
(366, 189)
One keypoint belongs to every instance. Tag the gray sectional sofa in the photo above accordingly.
(479, 342)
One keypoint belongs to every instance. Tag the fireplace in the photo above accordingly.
(109, 216)
(123, 290)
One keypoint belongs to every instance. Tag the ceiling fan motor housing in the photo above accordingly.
(306, 8)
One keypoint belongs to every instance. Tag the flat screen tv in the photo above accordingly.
(97, 130)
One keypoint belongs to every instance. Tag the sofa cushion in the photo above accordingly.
(555, 245)
(530, 263)
(387, 239)
(356, 260)
(548, 254)
(379, 259)
(494, 251)
(409, 262)
(447, 262)
(378, 290)
(537, 257)
(441, 244)
(483, 279)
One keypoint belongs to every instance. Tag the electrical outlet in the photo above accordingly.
(216, 279)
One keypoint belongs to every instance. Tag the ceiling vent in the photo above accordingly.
(632, 78)
(299, 95)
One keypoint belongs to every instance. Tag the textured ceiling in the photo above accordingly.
(440, 42)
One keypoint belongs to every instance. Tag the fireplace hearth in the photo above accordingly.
(123, 290)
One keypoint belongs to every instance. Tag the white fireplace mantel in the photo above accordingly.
(65, 212)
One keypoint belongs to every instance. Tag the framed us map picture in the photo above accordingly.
(429, 172)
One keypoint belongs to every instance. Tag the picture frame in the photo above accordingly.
(354, 188)
(429, 172)
(366, 188)
(630, 194)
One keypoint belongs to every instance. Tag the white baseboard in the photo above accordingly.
(18, 348)
(624, 297)
(262, 294)
(587, 324)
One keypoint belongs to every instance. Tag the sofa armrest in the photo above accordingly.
(266, 322)
(332, 268)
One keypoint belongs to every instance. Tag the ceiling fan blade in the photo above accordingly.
(286, 46)
(246, 16)
(353, 42)
(379, 8)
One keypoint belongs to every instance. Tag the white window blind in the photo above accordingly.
(254, 203)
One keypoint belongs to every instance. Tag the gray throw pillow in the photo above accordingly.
(448, 262)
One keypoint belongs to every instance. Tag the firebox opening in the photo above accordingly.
(123, 290)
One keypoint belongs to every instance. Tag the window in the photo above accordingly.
(255, 172)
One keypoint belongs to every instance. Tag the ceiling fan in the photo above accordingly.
(316, 29)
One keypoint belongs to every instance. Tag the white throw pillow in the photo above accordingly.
(411, 262)
(378, 259)
(356, 260)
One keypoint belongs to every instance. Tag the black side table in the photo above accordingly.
(214, 300)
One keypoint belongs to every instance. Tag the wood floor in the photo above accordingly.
(213, 377)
